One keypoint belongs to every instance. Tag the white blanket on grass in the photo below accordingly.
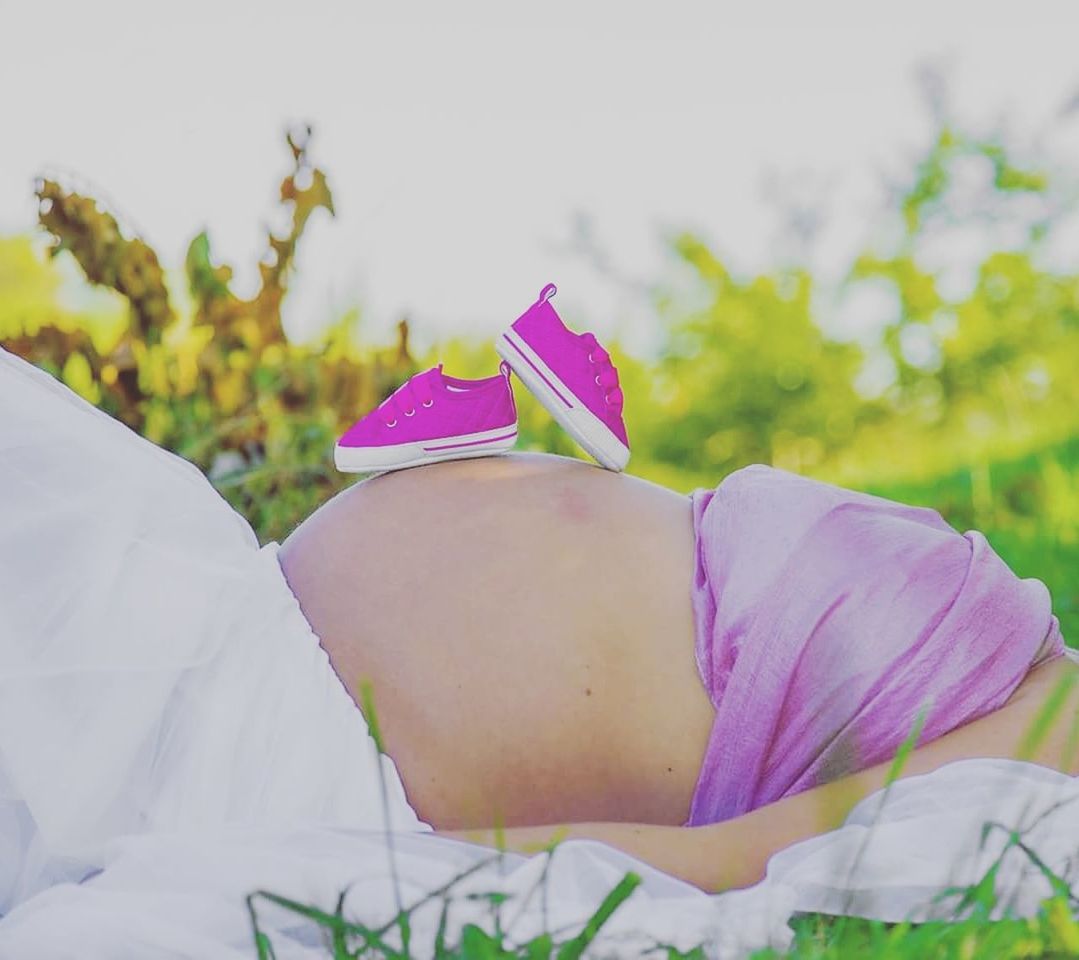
(171, 895)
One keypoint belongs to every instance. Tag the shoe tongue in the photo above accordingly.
(434, 378)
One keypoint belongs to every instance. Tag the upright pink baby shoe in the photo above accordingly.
(573, 377)
(432, 417)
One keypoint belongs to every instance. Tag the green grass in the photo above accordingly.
(346, 939)
(1053, 932)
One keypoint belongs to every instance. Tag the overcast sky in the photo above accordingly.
(463, 140)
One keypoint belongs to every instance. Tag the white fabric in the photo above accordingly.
(155, 670)
(173, 738)
(184, 896)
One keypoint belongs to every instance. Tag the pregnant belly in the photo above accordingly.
(525, 624)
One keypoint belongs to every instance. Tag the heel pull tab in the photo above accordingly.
(505, 369)
(547, 292)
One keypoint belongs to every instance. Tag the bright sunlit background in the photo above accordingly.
(477, 150)
(838, 237)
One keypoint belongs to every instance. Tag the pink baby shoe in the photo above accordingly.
(432, 417)
(573, 377)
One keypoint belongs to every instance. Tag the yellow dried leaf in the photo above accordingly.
(78, 375)
(229, 392)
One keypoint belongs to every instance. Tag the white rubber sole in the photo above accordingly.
(420, 452)
(572, 415)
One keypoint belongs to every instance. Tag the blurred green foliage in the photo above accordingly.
(217, 383)
(978, 414)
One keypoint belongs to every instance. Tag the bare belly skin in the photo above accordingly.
(526, 624)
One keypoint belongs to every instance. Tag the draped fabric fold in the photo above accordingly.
(155, 670)
(830, 622)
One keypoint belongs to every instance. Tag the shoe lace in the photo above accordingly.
(608, 374)
(404, 401)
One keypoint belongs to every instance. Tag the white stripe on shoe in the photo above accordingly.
(562, 403)
(400, 455)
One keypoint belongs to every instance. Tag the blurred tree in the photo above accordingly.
(222, 387)
(745, 371)
(747, 375)
(992, 367)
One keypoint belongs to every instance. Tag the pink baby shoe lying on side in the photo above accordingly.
(572, 376)
(432, 417)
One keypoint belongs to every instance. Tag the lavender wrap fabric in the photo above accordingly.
(826, 619)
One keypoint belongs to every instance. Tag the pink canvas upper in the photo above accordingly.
(432, 405)
(577, 359)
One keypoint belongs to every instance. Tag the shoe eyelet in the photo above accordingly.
(590, 360)
(392, 423)
(598, 384)
(410, 413)
(428, 403)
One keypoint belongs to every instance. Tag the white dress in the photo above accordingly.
(156, 673)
